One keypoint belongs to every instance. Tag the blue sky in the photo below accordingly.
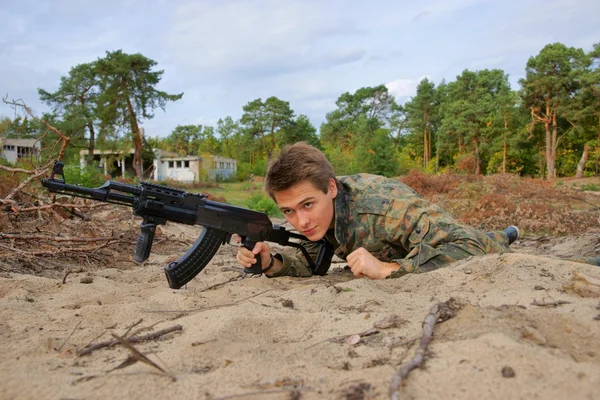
(224, 53)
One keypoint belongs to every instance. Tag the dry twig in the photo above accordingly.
(553, 303)
(209, 307)
(133, 339)
(438, 313)
(136, 356)
(54, 238)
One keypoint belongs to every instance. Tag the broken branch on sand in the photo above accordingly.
(183, 312)
(54, 252)
(553, 303)
(55, 238)
(134, 339)
(136, 356)
(438, 313)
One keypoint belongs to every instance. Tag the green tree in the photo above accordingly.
(300, 130)
(228, 132)
(548, 89)
(19, 128)
(263, 120)
(128, 94)
(589, 112)
(208, 142)
(75, 102)
(422, 113)
(185, 139)
(375, 104)
(474, 100)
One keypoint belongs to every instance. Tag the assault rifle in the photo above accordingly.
(158, 204)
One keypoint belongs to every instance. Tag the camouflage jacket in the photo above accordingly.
(392, 222)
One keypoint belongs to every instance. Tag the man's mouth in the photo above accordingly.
(310, 231)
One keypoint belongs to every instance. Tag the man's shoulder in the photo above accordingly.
(373, 194)
(375, 184)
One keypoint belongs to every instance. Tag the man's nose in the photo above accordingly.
(303, 219)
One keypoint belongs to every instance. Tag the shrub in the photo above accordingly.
(592, 187)
(263, 203)
(88, 176)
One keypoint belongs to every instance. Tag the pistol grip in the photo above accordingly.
(143, 245)
(255, 268)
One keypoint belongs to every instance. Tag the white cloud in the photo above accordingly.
(403, 89)
(223, 54)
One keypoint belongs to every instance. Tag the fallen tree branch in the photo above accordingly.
(54, 252)
(54, 238)
(37, 174)
(133, 339)
(62, 137)
(438, 313)
(17, 209)
(136, 356)
(209, 307)
(17, 170)
(552, 303)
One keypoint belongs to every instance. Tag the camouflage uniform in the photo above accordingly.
(393, 223)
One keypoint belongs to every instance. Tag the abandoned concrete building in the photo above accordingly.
(165, 166)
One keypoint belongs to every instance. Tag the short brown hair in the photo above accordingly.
(295, 164)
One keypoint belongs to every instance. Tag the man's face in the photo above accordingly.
(307, 208)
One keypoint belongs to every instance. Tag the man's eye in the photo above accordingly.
(287, 212)
(308, 205)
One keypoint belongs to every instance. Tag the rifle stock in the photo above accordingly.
(157, 204)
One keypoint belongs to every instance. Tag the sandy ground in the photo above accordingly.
(528, 328)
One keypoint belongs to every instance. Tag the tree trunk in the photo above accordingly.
(425, 140)
(430, 151)
(92, 140)
(597, 144)
(582, 161)
(477, 158)
(549, 159)
(137, 141)
(554, 143)
(504, 150)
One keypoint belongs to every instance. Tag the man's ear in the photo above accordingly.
(332, 188)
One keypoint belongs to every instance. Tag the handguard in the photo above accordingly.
(196, 258)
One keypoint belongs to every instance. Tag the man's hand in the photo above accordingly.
(363, 263)
(247, 258)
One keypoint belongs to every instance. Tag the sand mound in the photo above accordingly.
(525, 315)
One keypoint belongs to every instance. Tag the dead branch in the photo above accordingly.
(294, 393)
(552, 303)
(136, 323)
(35, 175)
(136, 356)
(68, 337)
(237, 278)
(17, 170)
(64, 280)
(17, 209)
(65, 139)
(133, 339)
(438, 313)
(54, 252)
(346, 338)
(54, 238)
(209, 307)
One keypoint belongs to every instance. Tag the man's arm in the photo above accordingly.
(289, 263)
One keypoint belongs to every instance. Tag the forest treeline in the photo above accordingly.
(548, 127)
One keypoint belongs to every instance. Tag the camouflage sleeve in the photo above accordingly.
(432, 239)
(294, 263)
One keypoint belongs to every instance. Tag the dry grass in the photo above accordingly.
(496, 201)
